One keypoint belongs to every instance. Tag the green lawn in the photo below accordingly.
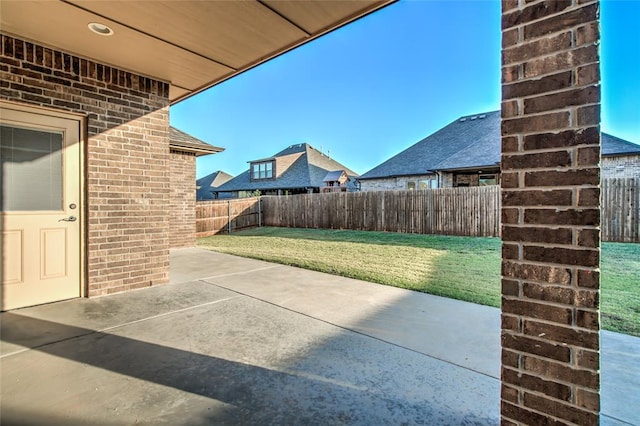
(462, 268)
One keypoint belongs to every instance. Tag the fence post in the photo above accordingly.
(260, 212)
(383, 212)
(229, 217)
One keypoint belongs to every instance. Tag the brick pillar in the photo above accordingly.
(182, 202)
(550, 212)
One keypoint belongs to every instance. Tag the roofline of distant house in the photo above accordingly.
(621, 154)
(492, 167)
(427, 172)
(434, 171)
(267, 189)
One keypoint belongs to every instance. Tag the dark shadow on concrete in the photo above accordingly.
(249, 394)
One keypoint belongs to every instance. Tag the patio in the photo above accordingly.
(239, 341)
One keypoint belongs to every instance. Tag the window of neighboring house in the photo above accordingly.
(428, 183)
(262, 170)
(411, 186)
(486, 180)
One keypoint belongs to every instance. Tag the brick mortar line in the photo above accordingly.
(568, 286)
(542, 358)
(552, 150)
(551, 304)
(549, 55)
(566, 108)
(542, 244)
(558, 419)
(569, 9)
(548, 74)
(553, 131)
(559, 401)
(554, 324)
(550, 379)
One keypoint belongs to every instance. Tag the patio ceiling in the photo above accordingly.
(191, 44)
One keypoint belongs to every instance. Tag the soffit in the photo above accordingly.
(191, 44)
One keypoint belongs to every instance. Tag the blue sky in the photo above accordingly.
(373, 88)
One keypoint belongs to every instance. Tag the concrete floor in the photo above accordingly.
(239, 341)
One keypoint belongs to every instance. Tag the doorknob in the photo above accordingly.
(69, 219)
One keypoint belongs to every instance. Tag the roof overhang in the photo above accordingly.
(191, 44)
(198, 150)
(184, 142)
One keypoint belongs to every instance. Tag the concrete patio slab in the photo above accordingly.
(469, 338)
(413, 320)
(238, 341)
(239, 361)
(99, 314)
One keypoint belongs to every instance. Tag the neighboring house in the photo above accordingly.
(336, 181)
(620, 158)
(206, 186)
(184, 149)
(298, 169)
(467, 153)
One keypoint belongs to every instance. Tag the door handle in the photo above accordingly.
(69, 219)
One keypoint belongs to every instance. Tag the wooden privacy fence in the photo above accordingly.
(448, 211)
(213, 217)
(620, 219)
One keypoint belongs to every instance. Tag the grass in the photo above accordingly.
(461, 268)
(620, 287)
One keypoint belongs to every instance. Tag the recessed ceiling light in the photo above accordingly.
(100, 29)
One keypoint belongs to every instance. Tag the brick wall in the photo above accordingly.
(446, 180)
(390, 184)
(550, 212)
(627, 166)
(127, 156)
(182, 206)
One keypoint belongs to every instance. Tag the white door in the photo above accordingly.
(40, 161)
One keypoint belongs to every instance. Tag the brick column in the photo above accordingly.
(550, 212)
(182, 202)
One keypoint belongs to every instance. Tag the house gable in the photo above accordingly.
(205, 186)
(298, 168)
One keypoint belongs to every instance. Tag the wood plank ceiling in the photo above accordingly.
(191, 44)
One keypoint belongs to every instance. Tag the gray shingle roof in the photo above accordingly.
(612, 145)
(308, 170)
(468, 142)
(333, 176)
(185, 142)
(209, 184)
(456, 139)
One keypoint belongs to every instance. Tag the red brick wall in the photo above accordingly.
(127, 157)
(182, 208)
(550, 212)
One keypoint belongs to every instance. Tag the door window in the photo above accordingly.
(31, 169)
